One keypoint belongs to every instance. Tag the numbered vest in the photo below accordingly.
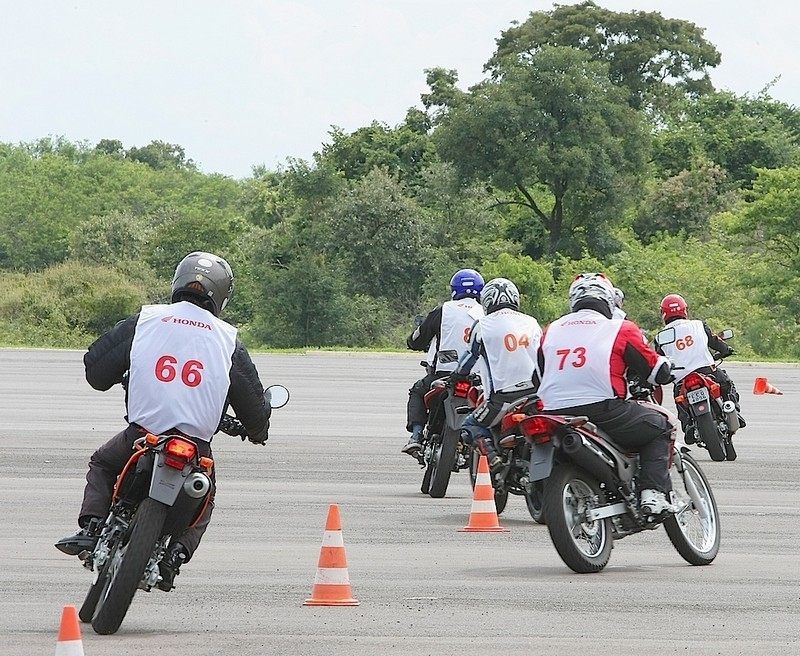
(457, 319)
(577, 351)
(510, 342)
(690, 348)
(180, 369)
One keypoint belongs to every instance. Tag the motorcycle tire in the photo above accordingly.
(730, 451)
(535, 504)
(129, 562)
(442, 460)
(426, 479)
(707, 431)
(86, 612)
(695, 538)
(584, 546)
(500, 496)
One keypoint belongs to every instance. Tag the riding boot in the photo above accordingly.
(486, 447)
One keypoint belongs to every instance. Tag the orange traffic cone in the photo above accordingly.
(483, 517)
(69, 635)
(761, 386)
(332, 582)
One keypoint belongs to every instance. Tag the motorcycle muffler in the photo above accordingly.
(731, 418)
(572, 444)
(197, 485)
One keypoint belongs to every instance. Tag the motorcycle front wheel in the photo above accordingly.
(127, 567)
(442, 461)
(535, 502)
(694, 531)
(584, 545)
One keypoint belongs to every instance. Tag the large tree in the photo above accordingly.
(655, 59)
(551, 134)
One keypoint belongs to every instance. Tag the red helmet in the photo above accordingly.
(673, 306)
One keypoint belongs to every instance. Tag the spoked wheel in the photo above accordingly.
(442, 461)
(127, 567)
(500, 496)
(535, 502)
(708, 432)
(694, 531)
(584, 545)
(96, 589)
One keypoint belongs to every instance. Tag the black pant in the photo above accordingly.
(108, 462)
(634, 427)
(416, 412)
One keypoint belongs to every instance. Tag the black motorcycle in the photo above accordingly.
(163, 489)
(442, 449)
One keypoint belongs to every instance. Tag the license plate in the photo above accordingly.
(698, 395)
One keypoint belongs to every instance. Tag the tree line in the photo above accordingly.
(595, 141)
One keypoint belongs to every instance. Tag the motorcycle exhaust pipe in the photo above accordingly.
(731, 418)
(572, 446)
(197, 485)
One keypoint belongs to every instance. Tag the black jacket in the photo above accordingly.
(109, 358)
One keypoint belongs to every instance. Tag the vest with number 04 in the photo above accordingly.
(689, 351)
(510, 341)
(180, 369)
(577, 350)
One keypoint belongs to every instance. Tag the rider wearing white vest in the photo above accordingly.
(505, 341)
(444, 334)
(181, 366)
(582, 361)
(690, 341)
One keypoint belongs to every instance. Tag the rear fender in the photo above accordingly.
(455, 410)
(542, 456)
(167, 482)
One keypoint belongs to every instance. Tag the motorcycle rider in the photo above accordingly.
(443, 334)
(582, 362)
(144, 352)
(506, 341)
(619, 301)
(690, 352)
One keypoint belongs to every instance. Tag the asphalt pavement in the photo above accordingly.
(424, 587)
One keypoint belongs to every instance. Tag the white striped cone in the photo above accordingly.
(69, 634)
(332, 581)
(483, 517)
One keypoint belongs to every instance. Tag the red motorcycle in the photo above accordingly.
(515, 451)
(712, 418)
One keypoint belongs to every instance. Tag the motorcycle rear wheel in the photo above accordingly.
(694, 537)
(584, 546)
(442, 460)
(708, 433)
(128, 565)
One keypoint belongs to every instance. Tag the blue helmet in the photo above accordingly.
(466, 283)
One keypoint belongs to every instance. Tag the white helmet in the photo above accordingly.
(619, 297)
(591, 285)
(499, 293)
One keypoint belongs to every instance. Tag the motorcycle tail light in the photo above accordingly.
(178, 452)
(539, 428)
(461, 388)
(693, 381)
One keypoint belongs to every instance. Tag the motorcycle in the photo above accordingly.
(442, 449)
(591, 495)
(515, 451)
(712, 419)
(163, 489)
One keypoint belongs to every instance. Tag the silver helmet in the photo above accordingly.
(206, 277)
(499, 293)
(591, 285)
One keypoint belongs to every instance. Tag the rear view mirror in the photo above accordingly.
(276, 396)
(418, 320)
(666, 336)
(726, 334)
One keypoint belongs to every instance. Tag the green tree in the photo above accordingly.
(655, 59)
(552, 135)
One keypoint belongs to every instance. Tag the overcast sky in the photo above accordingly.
(239, 83)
